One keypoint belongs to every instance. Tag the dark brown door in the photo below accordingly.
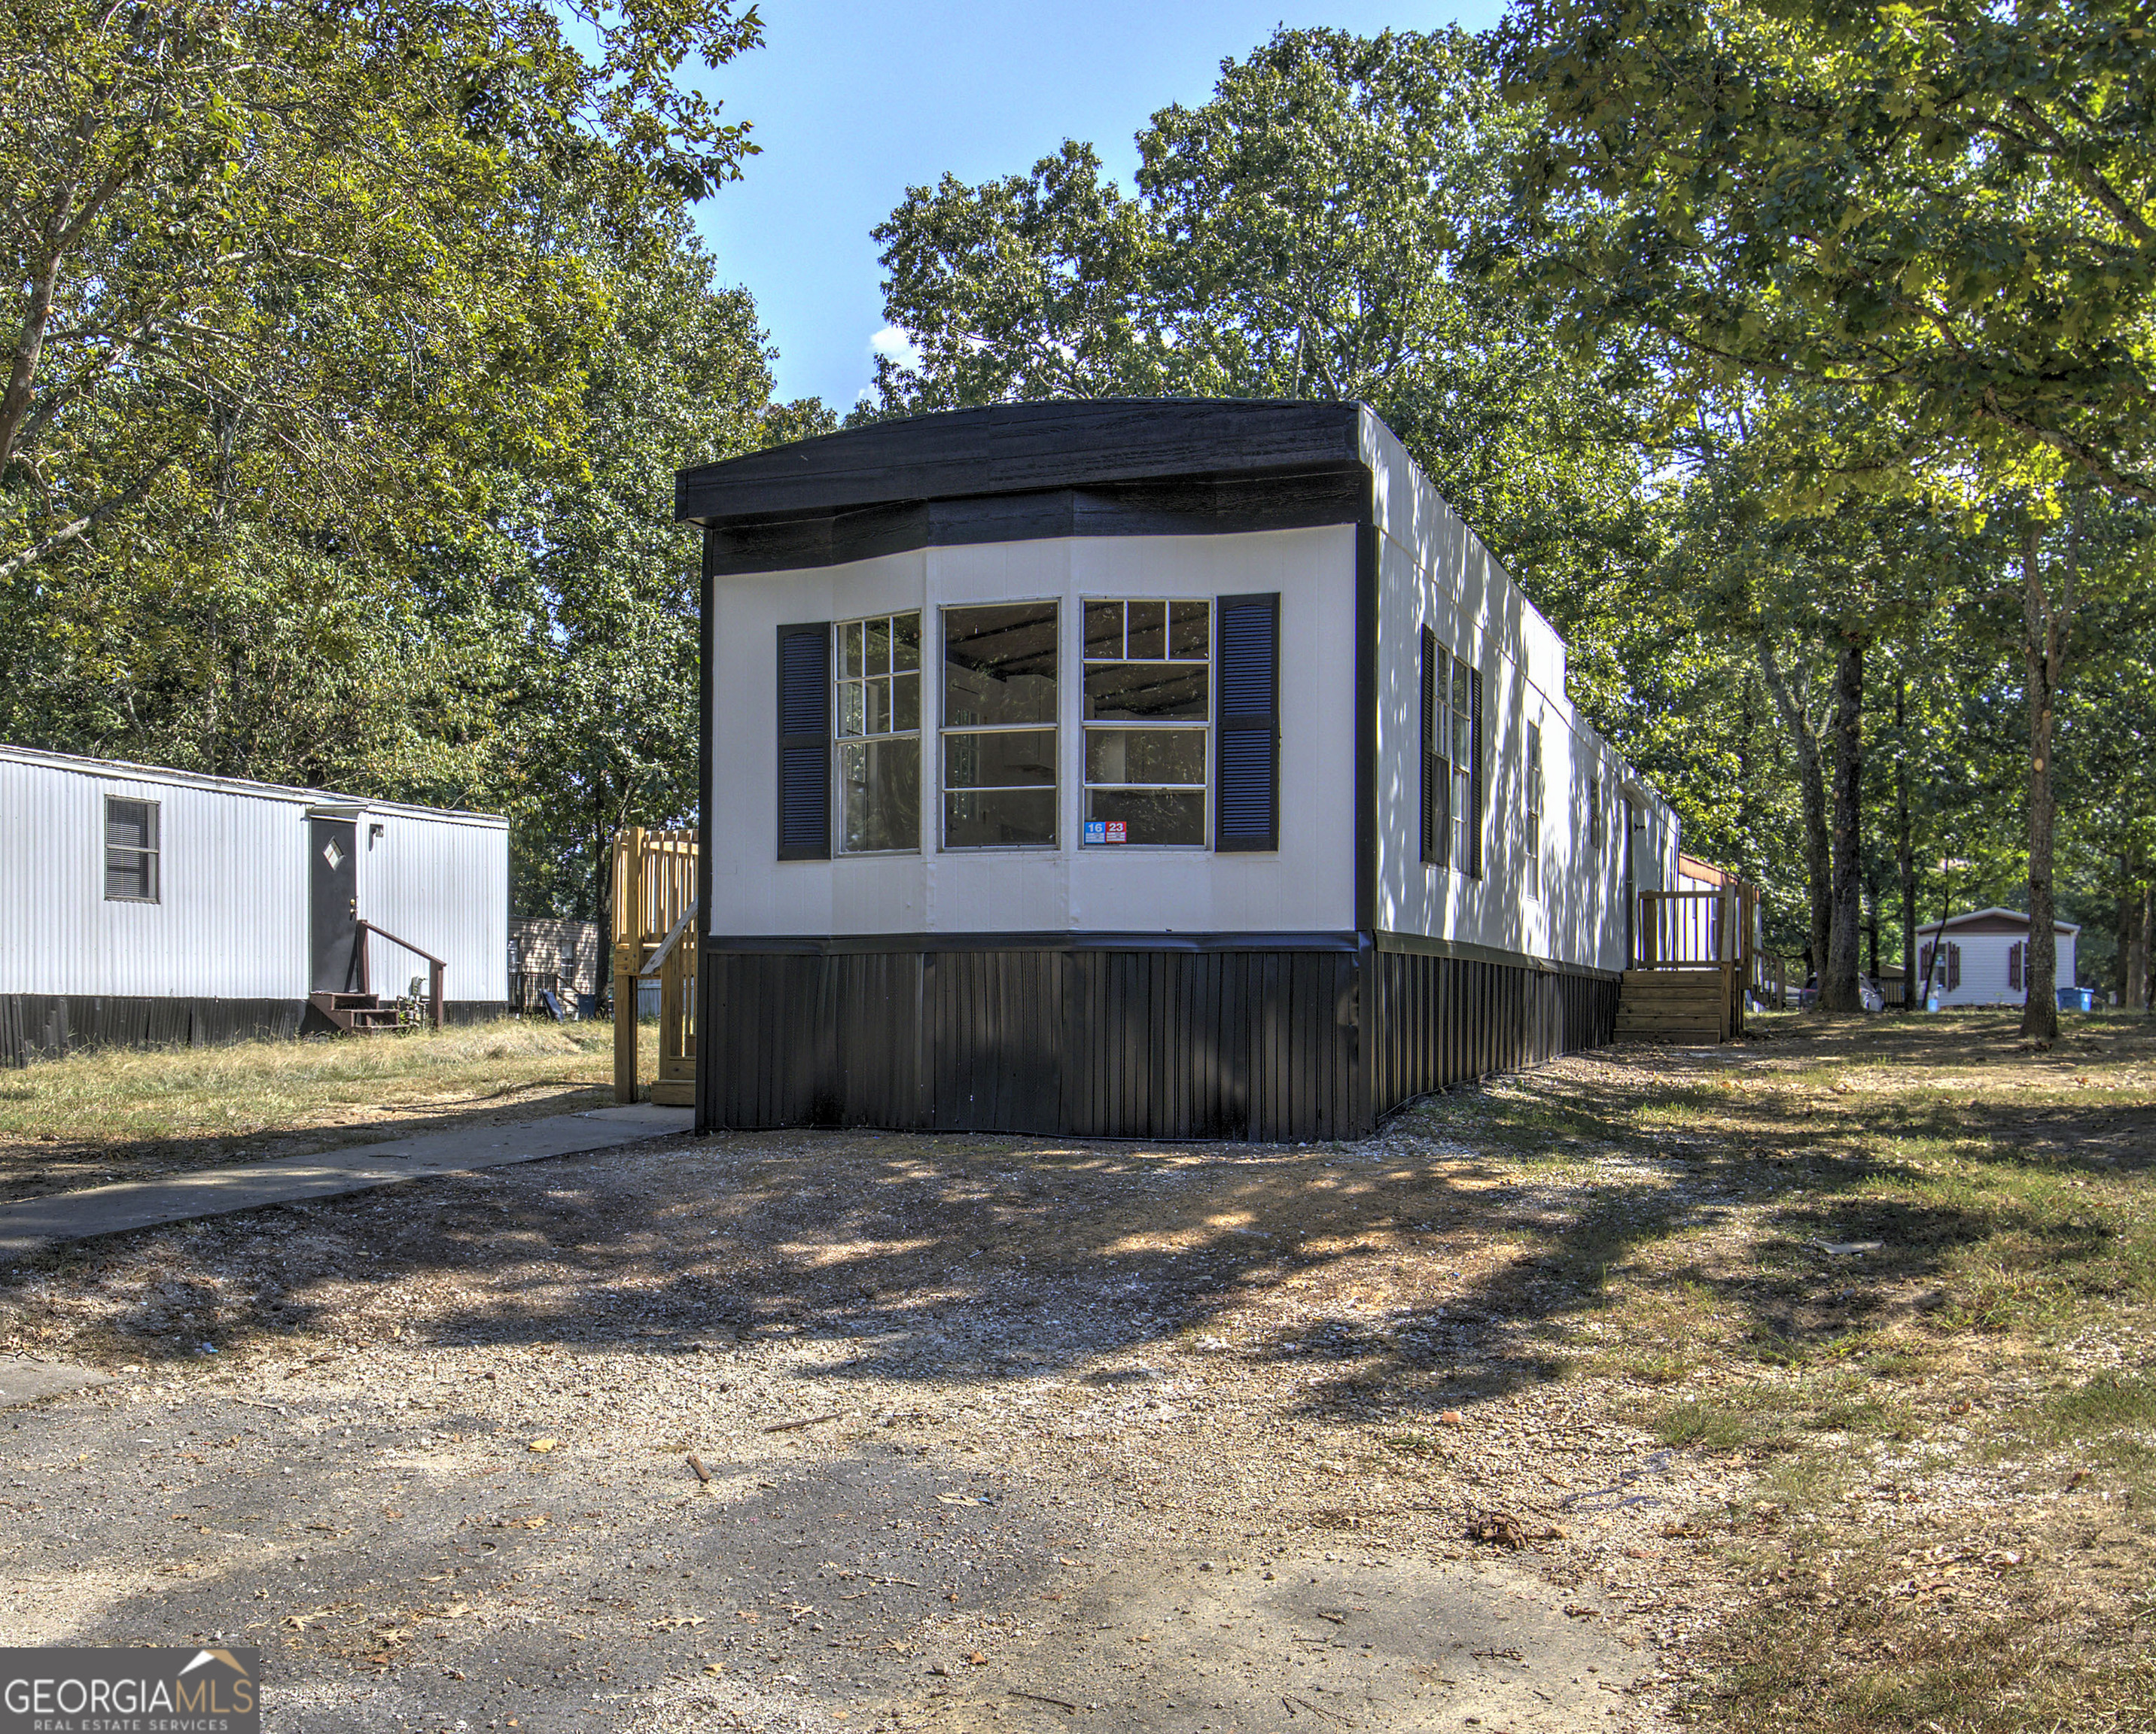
(333, 905)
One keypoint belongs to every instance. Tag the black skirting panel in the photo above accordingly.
(1441, 1020)
(1203, 1040)
(45, 1026)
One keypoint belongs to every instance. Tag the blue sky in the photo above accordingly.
(853, 102)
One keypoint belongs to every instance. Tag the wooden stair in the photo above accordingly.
(356, 1014)
(1683, 1005)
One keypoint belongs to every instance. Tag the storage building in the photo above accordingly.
(1170, 769)
(146, 905)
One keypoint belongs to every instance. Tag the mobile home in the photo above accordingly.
(1985, 958)
(1162, 769)
(139, 905)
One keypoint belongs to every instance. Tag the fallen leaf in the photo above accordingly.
(542, 1445)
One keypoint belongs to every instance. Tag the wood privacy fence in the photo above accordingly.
(654, 934)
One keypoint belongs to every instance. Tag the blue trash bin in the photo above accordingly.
(2077, 999)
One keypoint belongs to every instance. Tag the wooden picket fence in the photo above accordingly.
(654, 933)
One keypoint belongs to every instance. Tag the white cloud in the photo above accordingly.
(892, 341)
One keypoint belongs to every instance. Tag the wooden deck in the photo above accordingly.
(1695, 956)
(654, 933)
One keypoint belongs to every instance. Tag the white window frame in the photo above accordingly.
(1203, 729)
(840, 740)
(945, 728)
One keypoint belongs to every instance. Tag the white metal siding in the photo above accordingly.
(1307, 886)
(442, 883)
(231, 922)
(1434, 571)
(231, 918)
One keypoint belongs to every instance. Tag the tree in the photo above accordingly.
(268, 245)
(1946, 207)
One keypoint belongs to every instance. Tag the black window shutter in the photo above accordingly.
(1246, 753)
(1430, 831)
(804, 742)
(1474, 773)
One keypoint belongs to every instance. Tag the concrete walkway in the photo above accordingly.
(249, 1185)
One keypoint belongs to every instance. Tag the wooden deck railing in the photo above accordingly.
(655, 922)
(1714, 929)
(435, 966)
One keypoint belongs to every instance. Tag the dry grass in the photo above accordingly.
(1903, 1273)
(119, 1113)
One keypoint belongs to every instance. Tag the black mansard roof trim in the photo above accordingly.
(1015, 470)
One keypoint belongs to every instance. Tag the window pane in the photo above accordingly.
(1148, 630)
(1009, 761)
(849, 707)
(1463, 752)
(127, 825)
(1190, 631)
(1458, 687)
(905, 701)
(1145, 756)
(881, 785)
(126, 873)
(849, 650)
(879, 702)
(1153, 816)
(1104, 631)
(1148, 692)
(1004, 818)
(878, 645)
(999, 664)
(905, 642)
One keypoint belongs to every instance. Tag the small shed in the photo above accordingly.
(549, 954)
(1171, 769)
(145, 905)
(1985, 961)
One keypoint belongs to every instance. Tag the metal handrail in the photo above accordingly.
(435, 966)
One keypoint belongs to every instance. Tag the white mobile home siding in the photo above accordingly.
(442, 883)
(231, 918)
(1986, 978)
(1434, 571)
(231, 921)
(1306, 886)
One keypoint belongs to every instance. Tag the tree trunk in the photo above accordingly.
(1837, 990)
(1812, 785)
(2137, 956)
(2045, 627)
(1904, 842)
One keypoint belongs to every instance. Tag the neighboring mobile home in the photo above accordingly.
(1985, 961)
(146, 905)
(1165, 769)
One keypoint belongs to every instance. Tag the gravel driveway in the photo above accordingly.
(1000, 1433)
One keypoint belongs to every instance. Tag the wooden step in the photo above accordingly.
(356, 1013)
